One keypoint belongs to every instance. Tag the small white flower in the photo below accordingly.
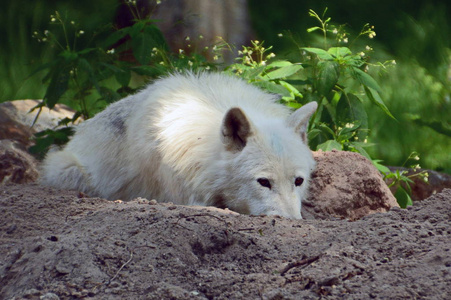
(280, 35)
(181, 51)
(111, 51)
(187, 38)
(362, 54)
(345, 40)
(190, 63)
(215, 57)
(46, 32)
(81, 32)
(52, 20)
(335, 31)
(271, 55)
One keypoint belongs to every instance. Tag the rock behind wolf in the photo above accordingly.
(194, 139)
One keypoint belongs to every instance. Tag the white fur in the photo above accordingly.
(168, 142)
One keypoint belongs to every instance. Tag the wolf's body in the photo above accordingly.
(196, 139)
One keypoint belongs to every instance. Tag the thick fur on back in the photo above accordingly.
(169, 142)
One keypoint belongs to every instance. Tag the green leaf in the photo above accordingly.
(44, 139)
(293, 104)
(69, 56)
(360, 149)
(365, 79)
(253, 73)
(350, 109)
(109, 95)
(157, 36)
(152, 71)
(272, 88)
(290, 88)
(381, 168)
(136, 29)
(322, 54)
(85, 66)
(373, 95)
(313, 29)
(123, 77)
(403, 197)
(328, 74)
(283, 72)
(86, 51)
(58, 86)
(115, 37)
(142, 47)
(326, 130)
(330, 145)
(339, 51)
(44, 66)
(278, 64)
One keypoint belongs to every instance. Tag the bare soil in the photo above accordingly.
(61, 245)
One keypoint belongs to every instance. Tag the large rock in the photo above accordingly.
(16, 133)
(346, 185)
(16, 164)
(16, 119)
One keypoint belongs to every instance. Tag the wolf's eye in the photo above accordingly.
(264, 182)
(298, 181)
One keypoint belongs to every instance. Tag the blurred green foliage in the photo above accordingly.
(417, 92)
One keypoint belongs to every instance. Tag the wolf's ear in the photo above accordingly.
(300, 118)
(235, 130)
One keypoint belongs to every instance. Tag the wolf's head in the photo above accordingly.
(269, 163)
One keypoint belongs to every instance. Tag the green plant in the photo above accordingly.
(90, 73)
(334, 76)
(400, 182)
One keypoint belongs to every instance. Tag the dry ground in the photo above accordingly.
(57, 244)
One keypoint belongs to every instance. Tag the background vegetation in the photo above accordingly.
(414, 33)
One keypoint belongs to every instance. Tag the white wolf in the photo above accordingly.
(195, 139)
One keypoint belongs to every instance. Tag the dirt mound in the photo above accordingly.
(57, 245)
